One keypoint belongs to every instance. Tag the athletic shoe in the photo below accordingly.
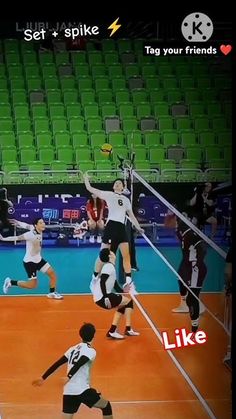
(183, 308)
(136, 269)
(99, 239)
(91, 239)
(55, 295)
(131, 332)
(114, 335)
(6, 285)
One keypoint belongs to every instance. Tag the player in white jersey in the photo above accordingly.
(33, 260)
(102, 289)
(115, 232)
(77, 389)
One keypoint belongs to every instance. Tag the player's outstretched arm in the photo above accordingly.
(135, 221)
(12, 238)
(97, 192)
(39, 382)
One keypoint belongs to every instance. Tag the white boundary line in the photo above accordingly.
(175, 361)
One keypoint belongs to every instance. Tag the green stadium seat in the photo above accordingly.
(165, 122)
(209, 94)
(62, 139)
(82, 154)
(46, 58)
(117, 83)
(152, 138)
(134, 139)
(76, 125)
(59, 125)
(98, 70)
(124, 45)
(126, 109)
(194, 153)
(170, 137)
(121, 152)
(191, 95)
(97, 139)
(39, 110)
(67, 82)
(201, 123)
(153, 82)
(156, 155)
(78, 57)
(9, 154)
(86, 165)
(5, 111)
(169, 82)
(62, 57)
(108, 109)
(46, 155)
(87, 96)
(84, 82)
(143, 110)
(56, 111)
(196, 108)
(111, 58)
(47, 71)
(27, 154)
(10, 166)
(66, 154)
(34, 83)
(224, 137)
(82, 70)
(101, 82)
(19, 97)
(70, 96)
(4, 98)
(15, 71)
(219, 123)
(139, 96)
(104, 96)
(174, 95)
(203, 82)
(148, 70)
(7, 139)
(94, 123)
(129, 124)
(183, 122)
(108, 45)
(35, 166)
(213, 153)
(53, 96)
(157, 95)
(80, 139)
(44, 140)
(91, 110)
(41, 125)
(131, 70)
(160, 109)
(116, 70)
(73, 110)
(30, 58)
(188, 137)
(207, 137)
(51, 83)
(122, 95)
(25, 140)
(23, 124)
(116, 139)
(95, 57)
(165, 70)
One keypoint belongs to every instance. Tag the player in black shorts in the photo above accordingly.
(102, 288)
(77, 389)
(192, 270)
(115, 232)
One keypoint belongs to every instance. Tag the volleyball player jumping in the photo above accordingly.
(33, 260)
(115, 235)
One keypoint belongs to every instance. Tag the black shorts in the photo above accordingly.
(32, 268)
(114, 234)
(115, 300)
(192, 276)
(71, 403)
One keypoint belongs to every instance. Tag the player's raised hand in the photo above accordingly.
(38, 383)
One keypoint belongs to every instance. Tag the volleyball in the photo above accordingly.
(106, 149)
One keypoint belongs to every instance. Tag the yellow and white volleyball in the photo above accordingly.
(106, 149)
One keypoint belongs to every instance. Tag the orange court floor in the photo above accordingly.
(137, 375)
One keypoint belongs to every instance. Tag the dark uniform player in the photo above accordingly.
(77, 390)
(192, 270)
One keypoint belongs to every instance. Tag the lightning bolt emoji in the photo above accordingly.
(114, 26)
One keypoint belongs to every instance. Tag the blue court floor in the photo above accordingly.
(74, 267)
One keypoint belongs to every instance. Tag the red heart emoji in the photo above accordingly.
(225, 49)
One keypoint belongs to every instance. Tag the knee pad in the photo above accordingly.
(107, 411)
(130, 304)
(122, 309)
